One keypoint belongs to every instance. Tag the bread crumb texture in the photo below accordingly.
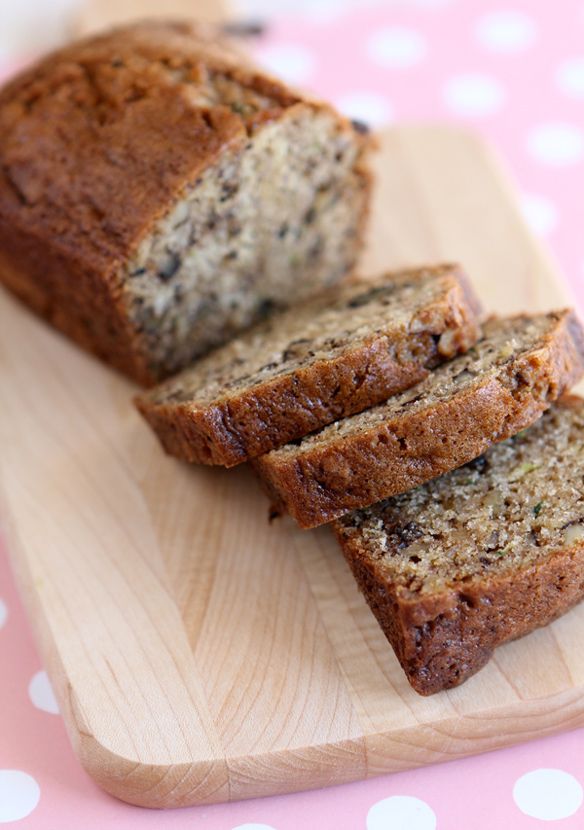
(510, 507)
(415, 310)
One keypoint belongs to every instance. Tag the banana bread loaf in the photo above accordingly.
(158, 194)
(336, 354)
(502, 385)
(479, 556)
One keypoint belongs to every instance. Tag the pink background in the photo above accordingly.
(515, 72)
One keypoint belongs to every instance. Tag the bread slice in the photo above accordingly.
(159, 193)
(482, 555)
(519, 367)
(338, 354)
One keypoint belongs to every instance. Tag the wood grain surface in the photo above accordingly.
(95, 15)
(200, 653)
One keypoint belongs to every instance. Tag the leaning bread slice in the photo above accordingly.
(502, 385)
(346, 350)
(482, 555)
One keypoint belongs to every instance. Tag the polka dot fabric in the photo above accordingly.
(514, 71)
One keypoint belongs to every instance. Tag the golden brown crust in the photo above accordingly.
(96, 143)
(235, 428)
(324, 482)
(442, 640)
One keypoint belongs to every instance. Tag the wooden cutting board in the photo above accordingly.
(201, 654)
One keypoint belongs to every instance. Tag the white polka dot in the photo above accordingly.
(3, 612)
(292, 62)
(473, 94)
(570, 77)
(506, 31)
(19, 795)
(548, 794)
(556, 143)
(41, 693)
(401, 812)
(366, 106)
(540, 213)
(396, 47)
(254, 826)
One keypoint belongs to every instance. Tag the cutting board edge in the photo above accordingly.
(324, 765)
